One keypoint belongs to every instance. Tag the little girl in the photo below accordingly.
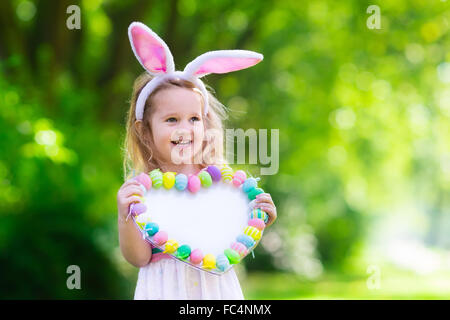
(169, 118)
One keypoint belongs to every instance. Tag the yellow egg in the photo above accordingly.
(171, 246)
(209, 261)
(140, 198)
(253, 232)
(142, 220)
(168, 179)
(141, 225)
(227, 173)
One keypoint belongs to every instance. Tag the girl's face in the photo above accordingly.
(177, 125)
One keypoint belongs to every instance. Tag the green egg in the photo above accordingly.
(254, 192)
(157, 178)
(183, 252)
(232, 256)
(205, 179)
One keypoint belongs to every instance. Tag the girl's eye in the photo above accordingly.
(173, 120)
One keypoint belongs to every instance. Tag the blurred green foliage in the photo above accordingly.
(363, 114)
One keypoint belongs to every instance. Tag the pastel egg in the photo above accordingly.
(183, 252)
(249, 184)
(227, 173)
(141, 186)
(254, 192)
(160, 237)
(245, 240)
(215, 173)
(205, 179)
(157, 178)
(232, 256)
(257, 223)
(138, 208)
(222, 262)
(209, 261)
(259, 214)
(141, 199)
(142, 220)
(145, 180)
(171, 246)
(252, 232)
(239, 248)
(168, 179)
(181, 181)
(194, 183)
(239, 178)
(156, 250)
(151, 228)
(196, 256)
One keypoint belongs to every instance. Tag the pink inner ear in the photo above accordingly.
(150, 50)
(224, 65)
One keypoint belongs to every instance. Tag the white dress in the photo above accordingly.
(170, 279)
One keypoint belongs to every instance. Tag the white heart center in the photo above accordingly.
(209, 220)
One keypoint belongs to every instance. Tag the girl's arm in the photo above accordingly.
(135, 250)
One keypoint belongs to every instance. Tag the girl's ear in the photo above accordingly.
(150, 50)
(138, 125)
(222, 61)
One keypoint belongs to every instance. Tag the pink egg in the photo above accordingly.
(194, 183)
(239, 248)
(160, 237)
(145, 180)
(257, 223)
(239, 178)
(196, 256)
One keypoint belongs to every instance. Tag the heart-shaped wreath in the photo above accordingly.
(211, 214)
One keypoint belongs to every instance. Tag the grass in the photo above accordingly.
(394, 284)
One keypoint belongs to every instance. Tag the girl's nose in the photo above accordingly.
(185, 125)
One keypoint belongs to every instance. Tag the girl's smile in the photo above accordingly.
(182, 142)
(182, 146)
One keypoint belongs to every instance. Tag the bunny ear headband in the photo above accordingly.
(154, 55)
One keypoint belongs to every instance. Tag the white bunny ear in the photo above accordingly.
(222, 61)
(150, 50)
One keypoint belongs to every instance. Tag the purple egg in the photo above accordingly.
(214, 172)
(138, 208)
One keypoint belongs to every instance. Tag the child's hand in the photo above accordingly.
(127, 195)
(264, 202)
